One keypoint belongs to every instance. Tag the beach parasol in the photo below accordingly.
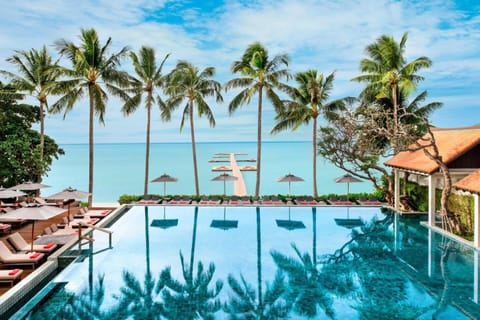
(289, 178)
(7, 194)
(29, 186)
(34, 212)
(347, 178)
(165, 178)
(68, 193)
(224, 177)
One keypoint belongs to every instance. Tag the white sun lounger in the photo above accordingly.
(19, 244)
(10, 276)
(9, 258)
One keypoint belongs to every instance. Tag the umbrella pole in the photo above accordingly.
(33, 228)
(164, 188)
(224, 188)
(289, 193)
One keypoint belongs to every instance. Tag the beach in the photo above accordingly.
(119, 169)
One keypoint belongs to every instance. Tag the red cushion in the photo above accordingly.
(48, 245)
(14, 272)
(35, 255)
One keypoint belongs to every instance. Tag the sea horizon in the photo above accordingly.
(119, 169)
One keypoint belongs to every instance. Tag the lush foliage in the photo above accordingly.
(19, 144)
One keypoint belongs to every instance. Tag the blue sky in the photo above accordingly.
(323, 35)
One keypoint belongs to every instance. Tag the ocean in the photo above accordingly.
(119, 169)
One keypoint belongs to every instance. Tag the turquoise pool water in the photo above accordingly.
(265, 263)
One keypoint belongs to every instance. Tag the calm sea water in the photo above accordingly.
(119, 169)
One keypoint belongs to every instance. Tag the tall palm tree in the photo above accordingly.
(149, 79)
(309, 101)
(258, 74)
(37, 76)
(94, 73)
(186, 83)
(386, 71)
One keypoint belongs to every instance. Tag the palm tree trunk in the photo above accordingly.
(314, 155)
(259, 143)
(194, 150)
(147, 149)
(90, 151)
(42, 141)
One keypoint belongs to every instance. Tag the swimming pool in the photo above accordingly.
(265, 263)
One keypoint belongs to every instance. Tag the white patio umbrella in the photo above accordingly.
(225, 177)
(165, 178)
(34, 212)
(69, 193)
(29, 186)
(347, 178)
(7, 193)
(289, 178)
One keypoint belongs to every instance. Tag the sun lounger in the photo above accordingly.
(306, 201)
(9, 258)
(10, 275)
(272, 201)
(372, 201)
(97, 213)
(5, 228)
(19, 244)
(211, 201)
(14, 222)
(343, 201)
(85, 222)
(150, 201)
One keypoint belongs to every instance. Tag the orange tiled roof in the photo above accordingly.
(470, 183)
(451, 143)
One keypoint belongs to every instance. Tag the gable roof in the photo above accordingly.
(451, 143)
(470, 183)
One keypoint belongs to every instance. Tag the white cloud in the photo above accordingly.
(325, 35)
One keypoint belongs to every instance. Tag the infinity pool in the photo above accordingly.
(264, 263)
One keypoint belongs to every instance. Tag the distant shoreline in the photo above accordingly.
(183, 142)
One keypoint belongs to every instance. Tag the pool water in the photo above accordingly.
(265, 263)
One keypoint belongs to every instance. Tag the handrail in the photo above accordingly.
(109, 232)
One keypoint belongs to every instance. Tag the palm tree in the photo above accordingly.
(37, 76)
(149, 78)
(93, 71)
(187, 83)
(258, 73)
(309, 101)
(386, 72)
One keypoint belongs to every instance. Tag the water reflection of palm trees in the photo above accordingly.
(245, 304)
(192, 298)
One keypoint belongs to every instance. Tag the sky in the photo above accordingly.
(329, 36)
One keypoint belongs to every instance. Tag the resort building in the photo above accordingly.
(459, 149)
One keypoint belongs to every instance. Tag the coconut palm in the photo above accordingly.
(386, 71)
(37, 75)
(258, 74)
(94, 73)
(149, 79)
(309, 101)
(186, 83)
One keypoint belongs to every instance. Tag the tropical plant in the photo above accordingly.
(186, 83)
(20, 150)
(386, 72)
(309, 101)
(149, 79)
(258, 74)
(94, 73)
(37, 76)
